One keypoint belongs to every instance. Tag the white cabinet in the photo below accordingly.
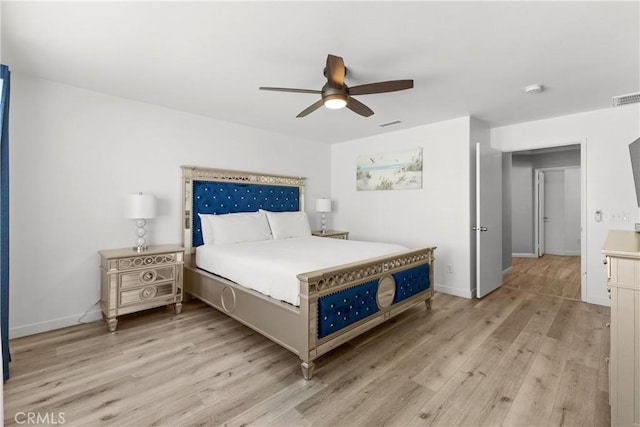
(622, 249)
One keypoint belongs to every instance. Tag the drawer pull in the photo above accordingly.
(608, 324)
(148, 292)
(148, 276)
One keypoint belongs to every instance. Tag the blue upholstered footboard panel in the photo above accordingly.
(211, 197)
(336, 311)
(411, 282)
(346, 307)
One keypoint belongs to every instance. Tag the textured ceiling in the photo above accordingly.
(209, 58)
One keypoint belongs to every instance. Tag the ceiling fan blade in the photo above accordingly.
(381, 87)
(310, 109)
(358, 107)
(335, 71)
(284, 89)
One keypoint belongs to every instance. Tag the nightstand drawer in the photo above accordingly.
(145, 261)
(147, 276)
(147, 293)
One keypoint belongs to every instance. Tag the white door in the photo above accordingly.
(488, 226)
(554, 212)
(539, 213)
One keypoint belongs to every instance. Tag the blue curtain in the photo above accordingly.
(4, 219)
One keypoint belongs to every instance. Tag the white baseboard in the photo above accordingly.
(506, 271)
(464, 293)
(605, 301)
(525, 255)
(49, 325)
(567, 253)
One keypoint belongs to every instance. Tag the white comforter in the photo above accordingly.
(271, 266)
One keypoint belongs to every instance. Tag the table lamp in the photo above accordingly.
(323, 206)
(140, 207)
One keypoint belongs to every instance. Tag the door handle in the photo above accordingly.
(483, 228)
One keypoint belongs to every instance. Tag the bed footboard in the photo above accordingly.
(346, 301)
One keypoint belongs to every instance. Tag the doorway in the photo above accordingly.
(547, 213)
(557, 211)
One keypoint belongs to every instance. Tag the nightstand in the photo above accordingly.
(333, 234)
(132, 281)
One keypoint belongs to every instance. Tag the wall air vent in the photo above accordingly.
(630, 98)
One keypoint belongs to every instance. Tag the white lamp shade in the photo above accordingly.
(140, 206)
(323, 205)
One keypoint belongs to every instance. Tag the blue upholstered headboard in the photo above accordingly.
(215, 191)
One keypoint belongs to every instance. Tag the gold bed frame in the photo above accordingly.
(295, 328)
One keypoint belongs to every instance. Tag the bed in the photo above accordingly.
(380, 287)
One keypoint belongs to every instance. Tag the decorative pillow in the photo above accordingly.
(234, 228)
(285, 225)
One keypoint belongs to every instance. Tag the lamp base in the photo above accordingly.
(141, 242)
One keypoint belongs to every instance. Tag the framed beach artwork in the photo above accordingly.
(398, 170)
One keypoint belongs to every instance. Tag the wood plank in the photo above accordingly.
(575, 403)
(494, 398)
(450, 401)
(534, 401)
(447, 357)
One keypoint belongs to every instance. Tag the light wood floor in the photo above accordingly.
(553, 275)
(512, 358)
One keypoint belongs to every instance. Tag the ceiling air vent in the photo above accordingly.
(393, 123)
(630, 98)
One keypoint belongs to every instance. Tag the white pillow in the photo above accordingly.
(234, 228)
(285, 225)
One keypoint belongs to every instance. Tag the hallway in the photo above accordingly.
(553, 275)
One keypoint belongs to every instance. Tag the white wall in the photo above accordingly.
(436, 215)
(556, 159)
(572, 211)
(522, 205)
(562, 207)
(507, 243)
(75, 154)
(609, 181)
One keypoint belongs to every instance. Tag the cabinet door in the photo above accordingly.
(625, 341)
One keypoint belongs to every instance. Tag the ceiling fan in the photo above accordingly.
(336, 94)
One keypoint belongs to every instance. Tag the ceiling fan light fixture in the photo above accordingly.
(335, 94)
(335, 101)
